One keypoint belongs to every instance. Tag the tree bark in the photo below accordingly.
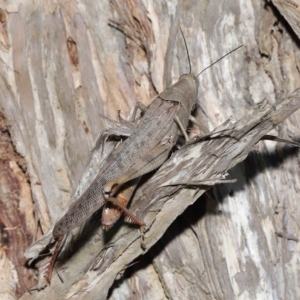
(63, 66)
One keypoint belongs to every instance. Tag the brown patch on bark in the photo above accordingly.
(15, 209)
(3, 29)
(73, 53)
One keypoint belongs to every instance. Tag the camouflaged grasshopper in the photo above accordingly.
(144, 150)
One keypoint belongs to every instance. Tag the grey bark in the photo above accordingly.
(62, 66)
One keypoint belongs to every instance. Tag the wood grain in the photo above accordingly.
(62, 66)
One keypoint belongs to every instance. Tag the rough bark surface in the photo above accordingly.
(63, 66)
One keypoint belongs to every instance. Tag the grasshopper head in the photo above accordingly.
(190, 75)
(188, 87)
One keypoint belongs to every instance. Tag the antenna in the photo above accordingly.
(187, 50)
(220, 59)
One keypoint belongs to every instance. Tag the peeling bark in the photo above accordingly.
(63, 65)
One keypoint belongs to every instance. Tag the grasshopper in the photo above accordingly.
(144, 150)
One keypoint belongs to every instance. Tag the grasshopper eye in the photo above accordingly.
(196, 80)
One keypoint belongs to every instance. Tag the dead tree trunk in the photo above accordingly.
(63, 66)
